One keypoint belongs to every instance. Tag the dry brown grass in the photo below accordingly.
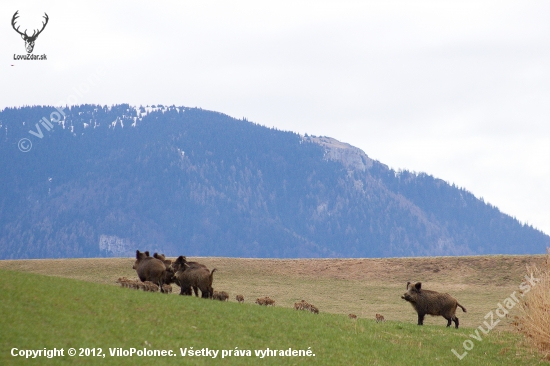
(534, 318)
(341, 286)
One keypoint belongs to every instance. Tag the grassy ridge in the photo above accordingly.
(339, 286)
(39, 312)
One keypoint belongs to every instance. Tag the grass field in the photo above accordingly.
(46, 312)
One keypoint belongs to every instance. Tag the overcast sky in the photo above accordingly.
(457, 89)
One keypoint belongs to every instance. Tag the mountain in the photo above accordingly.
(105, 181)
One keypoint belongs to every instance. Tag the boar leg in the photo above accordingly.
(184, 290)
(456, 322)
(421, 318)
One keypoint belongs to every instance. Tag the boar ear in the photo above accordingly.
(137, 254)
(418, 285)
(408, 284)
(147, 253)
(156, 255)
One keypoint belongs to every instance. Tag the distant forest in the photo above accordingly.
(105, 181)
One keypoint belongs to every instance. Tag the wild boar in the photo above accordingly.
(220, 295)
(181, 263)
(162, 257)
(149, 268)
(195, 278)
(432, 303)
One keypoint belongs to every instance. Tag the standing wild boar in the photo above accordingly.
(149, 268)
(195, 278)
(432, 303)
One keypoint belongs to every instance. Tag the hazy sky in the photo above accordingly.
(457, 89)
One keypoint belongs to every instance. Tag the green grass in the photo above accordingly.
(38, 312)
(364, 286)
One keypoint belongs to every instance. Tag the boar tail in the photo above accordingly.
(212, 276)
(462, 307)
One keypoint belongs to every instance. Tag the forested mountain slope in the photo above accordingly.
(105, 181)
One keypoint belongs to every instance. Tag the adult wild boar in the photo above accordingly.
(162, 257)
(432, 303)
(195, 278)
(181, 263)
(149, 268)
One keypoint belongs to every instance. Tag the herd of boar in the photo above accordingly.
(189, 276)
(157, 272)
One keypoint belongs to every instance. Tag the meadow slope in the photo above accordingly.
(78, 305)
(339, 286)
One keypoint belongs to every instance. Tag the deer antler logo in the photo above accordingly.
(29, 40)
